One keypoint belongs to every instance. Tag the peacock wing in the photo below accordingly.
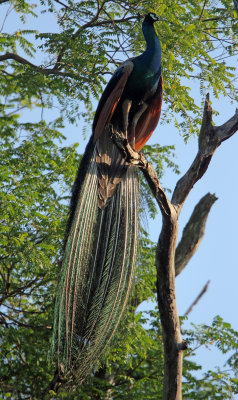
(149, 119)
(110, 98)
(110, 163)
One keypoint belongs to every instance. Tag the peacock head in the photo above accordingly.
(151, 18)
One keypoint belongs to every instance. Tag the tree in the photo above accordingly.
(66, 69)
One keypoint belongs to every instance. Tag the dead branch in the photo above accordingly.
(165, 255)
(203, 291)
(138, 159)
(193, 232)
(210, 138)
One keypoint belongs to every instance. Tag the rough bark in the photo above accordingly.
(210, 139)
(193, 232)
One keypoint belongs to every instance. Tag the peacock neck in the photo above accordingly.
(153, 48)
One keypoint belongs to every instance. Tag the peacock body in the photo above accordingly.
(100, 251)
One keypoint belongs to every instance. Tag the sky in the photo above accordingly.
(216, 259)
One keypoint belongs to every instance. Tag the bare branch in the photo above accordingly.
(210, 139)
(173, 343)
(228, 129)
(193, 232)
(6, 16)
(139, 160)
(63, 4)
(203, 291)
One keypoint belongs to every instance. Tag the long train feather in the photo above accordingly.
(97, 269)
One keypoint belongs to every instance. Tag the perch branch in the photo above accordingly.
(173, 343)
(209, 139)
(138, 159)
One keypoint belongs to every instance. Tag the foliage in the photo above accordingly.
(134, 368)
(222, 383)
(91, 36)
(36, 175)
(56, 75)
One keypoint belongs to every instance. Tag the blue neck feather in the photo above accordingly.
(153, 48)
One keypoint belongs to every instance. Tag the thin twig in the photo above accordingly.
(203, 291)
(204, 4)
(19, 323)
(7, 14)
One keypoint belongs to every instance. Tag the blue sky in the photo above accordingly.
(216, 259)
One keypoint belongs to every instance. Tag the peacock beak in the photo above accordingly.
(159, 19)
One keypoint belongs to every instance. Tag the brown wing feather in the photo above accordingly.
(109, 160)
(112, 100)
(111, 167)
(149, 119)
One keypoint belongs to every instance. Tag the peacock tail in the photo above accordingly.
(97, 269)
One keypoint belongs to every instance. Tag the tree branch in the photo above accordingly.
(20, 291)
(19, 323)
(56, 69)
(165, 254)
(45, 71)
(203, 291)
(63, 4)
(193, 232)
(139, 160)
(209, 139)
(16, 57)
(94, 22)
(236, 5)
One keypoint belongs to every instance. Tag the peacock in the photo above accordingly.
(101, 239)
